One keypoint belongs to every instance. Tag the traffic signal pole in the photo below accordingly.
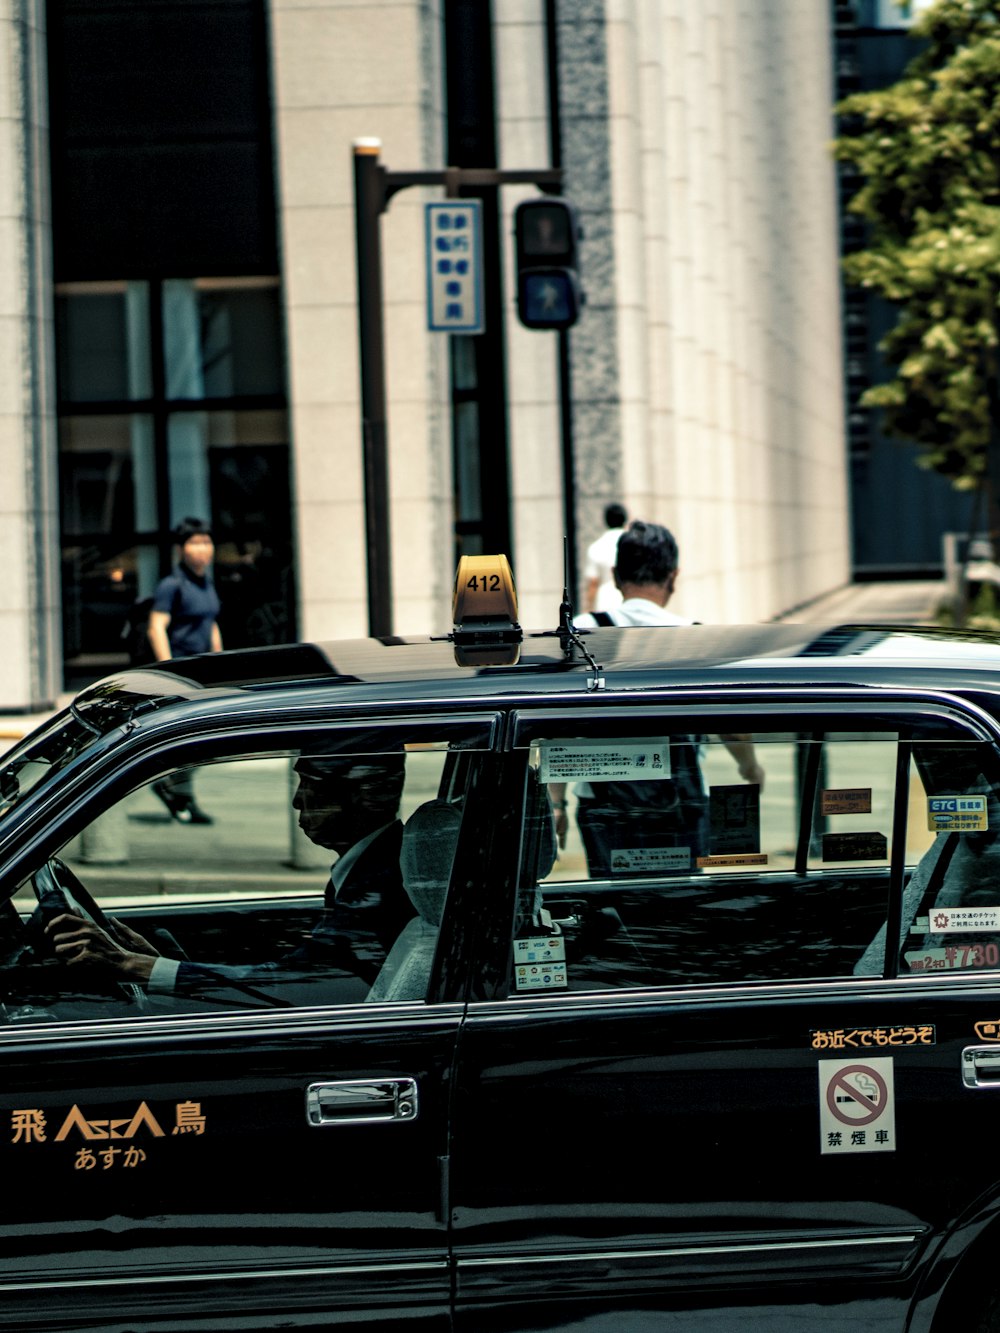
(374, 186)
(369, 203)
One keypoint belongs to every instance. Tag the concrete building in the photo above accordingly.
(179, 307)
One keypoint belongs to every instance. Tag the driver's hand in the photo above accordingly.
(132, 941)
(79, 942)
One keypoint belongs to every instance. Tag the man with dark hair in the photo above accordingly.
(601, 593)
(184, 621)
(645, 573)
(349, 804)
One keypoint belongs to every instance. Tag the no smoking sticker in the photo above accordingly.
(857, 1111)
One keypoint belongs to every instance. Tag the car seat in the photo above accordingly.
(430, 837)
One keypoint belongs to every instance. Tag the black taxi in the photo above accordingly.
(616, 980)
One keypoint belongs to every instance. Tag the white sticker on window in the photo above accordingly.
(540, 949)
(540, 962)
(948, 920)
(636, 859)
(540, 976)
(604, 763)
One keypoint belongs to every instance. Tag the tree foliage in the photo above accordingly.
(928, 153)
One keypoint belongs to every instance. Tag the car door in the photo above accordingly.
(708, 1086)
(265, 1146)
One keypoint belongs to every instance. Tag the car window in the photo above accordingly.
(676, 859)
(950, 920)
(71, 735)
(44, 754)
(276, 880)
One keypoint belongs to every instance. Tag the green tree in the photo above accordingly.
(928, 153)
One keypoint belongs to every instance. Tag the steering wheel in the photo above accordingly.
(59, 891)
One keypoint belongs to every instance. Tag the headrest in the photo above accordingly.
(430, 837)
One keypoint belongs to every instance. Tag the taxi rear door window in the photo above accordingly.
(671, 859)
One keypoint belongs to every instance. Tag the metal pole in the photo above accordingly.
(373, 188)
(567, 448)
(369, 202)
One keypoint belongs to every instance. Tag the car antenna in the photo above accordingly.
(567, 630)
(566, 607)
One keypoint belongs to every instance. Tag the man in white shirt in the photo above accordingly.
(601, 593)
(645, 575)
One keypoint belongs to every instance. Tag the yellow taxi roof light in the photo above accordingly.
(484, 593)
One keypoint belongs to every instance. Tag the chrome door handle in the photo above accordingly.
(362, 1101)
(981, 1067)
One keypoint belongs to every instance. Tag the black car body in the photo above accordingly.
(694, 1088)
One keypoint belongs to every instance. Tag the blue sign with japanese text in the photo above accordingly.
(455, 267)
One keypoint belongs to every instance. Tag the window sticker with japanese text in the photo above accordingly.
(957, 814)
(607, 762)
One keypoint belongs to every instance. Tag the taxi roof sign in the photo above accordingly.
(484, 592)
(484, 611)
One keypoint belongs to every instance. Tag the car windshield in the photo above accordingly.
(53, 746)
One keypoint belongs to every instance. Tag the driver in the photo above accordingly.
(348, 805)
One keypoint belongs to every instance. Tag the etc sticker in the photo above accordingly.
(846, 801)
(857, 1110)
(957, 814)
(650, 860)
(605, 763)
(540, 963)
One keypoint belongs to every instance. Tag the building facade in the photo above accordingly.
(180, 315)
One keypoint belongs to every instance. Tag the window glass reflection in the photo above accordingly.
(100, 581)
(222, 337)
(102, 340)
(468, 492)
(107, 479)
(234, 467)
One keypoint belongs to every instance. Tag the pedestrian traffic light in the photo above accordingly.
(547, 232)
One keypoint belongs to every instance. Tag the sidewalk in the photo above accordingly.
(15, 726)
(905, 603)
(901, 602)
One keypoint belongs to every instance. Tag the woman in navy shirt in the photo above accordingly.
(184, 621)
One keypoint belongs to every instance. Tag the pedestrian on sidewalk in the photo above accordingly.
(182, 623)
(601, 592)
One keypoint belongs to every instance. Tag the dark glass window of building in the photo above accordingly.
(171, 404)
(169, 342)
(160, 138)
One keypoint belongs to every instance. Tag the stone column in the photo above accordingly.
(30, 665)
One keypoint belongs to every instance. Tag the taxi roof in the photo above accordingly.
(628, 657)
